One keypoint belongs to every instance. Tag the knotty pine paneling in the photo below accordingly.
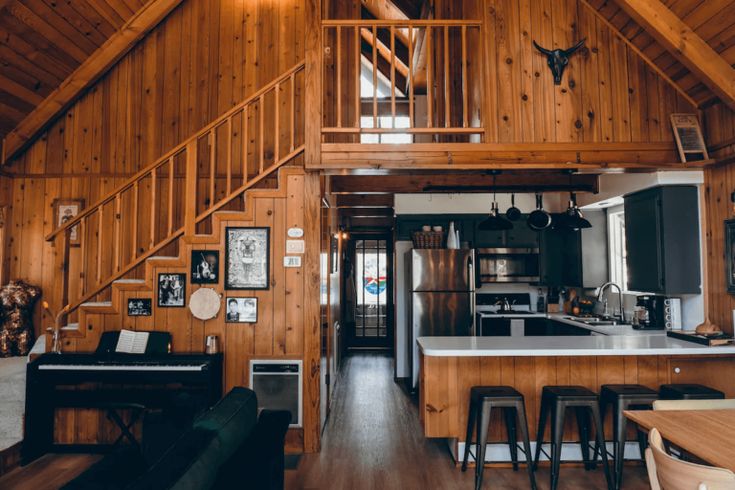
(719, 180)
(608, 93)
(283, 310)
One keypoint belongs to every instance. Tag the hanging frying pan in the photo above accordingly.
(539, 219)
(513, 213)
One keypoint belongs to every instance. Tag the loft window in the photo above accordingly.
(382, 92)
(616, 237)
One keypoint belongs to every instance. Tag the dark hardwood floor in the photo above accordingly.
(373, 440)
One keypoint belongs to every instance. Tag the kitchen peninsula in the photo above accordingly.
(450, 366)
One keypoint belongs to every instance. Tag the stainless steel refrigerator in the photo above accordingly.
(442, 297)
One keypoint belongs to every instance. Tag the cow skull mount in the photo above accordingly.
(558, 59)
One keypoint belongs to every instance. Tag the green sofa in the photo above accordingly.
(227, 446)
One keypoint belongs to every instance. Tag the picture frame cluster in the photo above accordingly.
(246, 267)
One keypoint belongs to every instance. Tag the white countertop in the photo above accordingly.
(596, 345)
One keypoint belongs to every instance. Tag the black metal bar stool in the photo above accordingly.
(621, 398)
(554, 402)
(482, 400)
(689, 392)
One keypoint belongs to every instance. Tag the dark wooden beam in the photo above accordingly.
(367, 212)
(365, 201)
(465, 182)
(367, 223)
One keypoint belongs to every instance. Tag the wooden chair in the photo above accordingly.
(668, 473)
(694, 404)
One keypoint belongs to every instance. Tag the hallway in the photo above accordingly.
(373, 440)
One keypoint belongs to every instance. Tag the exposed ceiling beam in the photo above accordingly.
(685, 45)
(366, 212)
(104, 58)
(365, 201)
(464, 182)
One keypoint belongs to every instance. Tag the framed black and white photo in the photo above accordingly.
(730, 255)
(140, 307)
(241, 310)
(204, 267)
(171, 290)
(248, 255)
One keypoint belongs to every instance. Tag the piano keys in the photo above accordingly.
(102, 380)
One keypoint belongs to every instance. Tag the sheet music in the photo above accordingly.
(131, 342)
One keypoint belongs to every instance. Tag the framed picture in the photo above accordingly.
(171, 290)
(140, 307)
(204, 266)
(248, 258)
(730, 255)
(64, 210)
(241, 310)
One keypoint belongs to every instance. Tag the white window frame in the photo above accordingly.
(616, 247)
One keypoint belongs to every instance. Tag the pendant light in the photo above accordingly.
(495, 221)
(573, 217)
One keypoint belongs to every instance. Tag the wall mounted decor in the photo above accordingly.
(242, 310)
(204, 267)
(140, 307)
(689, 139)
(64, 210)
(205, 303)
(558, 59)
(248, 258)
(171, 290)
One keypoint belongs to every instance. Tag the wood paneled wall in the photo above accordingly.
(6, 199)
(205, 57)
(719, 180)
(285, 320)
(608, 93)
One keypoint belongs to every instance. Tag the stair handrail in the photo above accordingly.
(175, 151)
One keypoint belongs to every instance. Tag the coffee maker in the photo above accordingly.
(655, 312)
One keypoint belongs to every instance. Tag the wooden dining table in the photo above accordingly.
(707, 434)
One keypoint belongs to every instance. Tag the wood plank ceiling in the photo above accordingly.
(711, 20)
(43, 41)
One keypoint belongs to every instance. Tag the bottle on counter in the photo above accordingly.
(540, 302)
(452, 241)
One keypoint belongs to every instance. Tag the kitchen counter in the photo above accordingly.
(623, 329)
(596, 345)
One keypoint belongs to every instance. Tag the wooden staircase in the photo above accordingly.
(116, 244)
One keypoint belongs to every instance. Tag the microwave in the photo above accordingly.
(507, 265)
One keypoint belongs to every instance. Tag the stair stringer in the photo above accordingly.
(94, 318)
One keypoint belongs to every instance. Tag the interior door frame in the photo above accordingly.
(386, 235)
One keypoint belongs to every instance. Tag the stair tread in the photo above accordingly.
(162, 257)
(97, 303)
(129, 281)
(70, 326)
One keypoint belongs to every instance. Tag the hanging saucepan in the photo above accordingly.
(513, 213)
(539, 219)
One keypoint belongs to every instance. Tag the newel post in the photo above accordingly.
(190, 194)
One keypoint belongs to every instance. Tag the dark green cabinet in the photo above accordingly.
(662, 240)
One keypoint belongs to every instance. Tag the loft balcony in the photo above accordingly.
(450, 94)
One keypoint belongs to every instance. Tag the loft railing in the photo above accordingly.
(172, 196)
(417, 77)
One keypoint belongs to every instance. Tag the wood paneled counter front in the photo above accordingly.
(450, 366)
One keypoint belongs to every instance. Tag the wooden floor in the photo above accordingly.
(48, 472)
(373, 440)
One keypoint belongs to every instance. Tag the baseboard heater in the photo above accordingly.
(279, 386)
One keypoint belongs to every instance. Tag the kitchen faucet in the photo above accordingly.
(601, 291)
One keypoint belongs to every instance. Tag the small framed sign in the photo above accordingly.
(292, 261)
(139, 307)
(689, 138)
(66, 210)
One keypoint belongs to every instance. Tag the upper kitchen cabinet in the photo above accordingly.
(662, 240)
(577, 258)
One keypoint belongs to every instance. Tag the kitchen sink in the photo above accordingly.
(595, 321)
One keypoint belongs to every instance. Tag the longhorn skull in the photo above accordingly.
(558, 59)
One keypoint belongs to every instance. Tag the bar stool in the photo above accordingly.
(621, 398)
(554, 402)
(482, 400)
(689, 392)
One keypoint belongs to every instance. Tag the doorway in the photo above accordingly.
(369, 291)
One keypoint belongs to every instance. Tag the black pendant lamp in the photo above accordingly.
(573, 217)
(495, 221)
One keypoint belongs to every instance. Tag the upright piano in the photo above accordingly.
(104, 379)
